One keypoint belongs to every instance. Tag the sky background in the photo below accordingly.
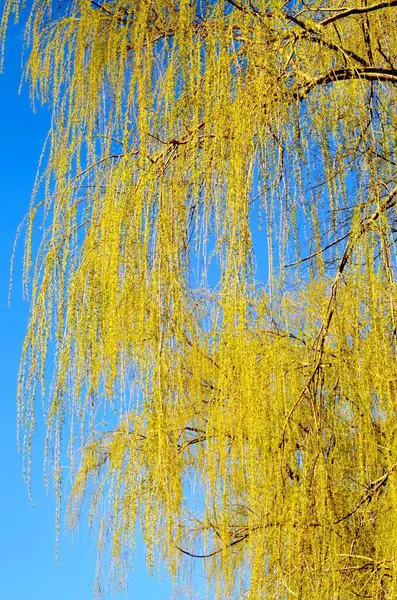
(27, 534)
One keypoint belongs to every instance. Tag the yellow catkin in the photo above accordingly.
(239, 410)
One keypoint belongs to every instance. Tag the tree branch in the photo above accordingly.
(302, 260)
(318, 346)
(345, 74)
(357, 11)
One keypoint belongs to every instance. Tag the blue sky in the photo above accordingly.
(27, 539)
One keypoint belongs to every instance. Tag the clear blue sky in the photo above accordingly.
(27, 535)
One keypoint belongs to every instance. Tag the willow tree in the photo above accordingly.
(214, 291)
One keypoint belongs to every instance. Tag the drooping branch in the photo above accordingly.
(150, 290)
(318, 347)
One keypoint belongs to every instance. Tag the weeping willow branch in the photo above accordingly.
(358, 10)
(366, 74)
(233, 409)
(318, 347)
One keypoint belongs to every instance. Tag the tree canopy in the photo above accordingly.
(214, 289)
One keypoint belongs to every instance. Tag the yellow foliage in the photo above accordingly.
(250, 376)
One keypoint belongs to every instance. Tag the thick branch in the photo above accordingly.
(319, 39)
(358, 10)
(345, 74)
